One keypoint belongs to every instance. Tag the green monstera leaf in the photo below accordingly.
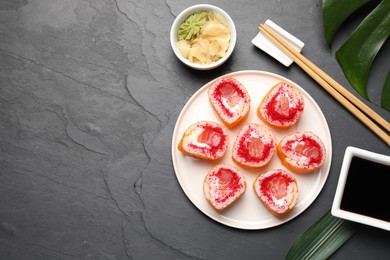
(335, 12)
(385, 101)
(357, 54)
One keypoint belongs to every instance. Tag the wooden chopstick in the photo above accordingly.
(357, 102)
(342, 95)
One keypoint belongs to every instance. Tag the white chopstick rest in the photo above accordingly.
(263, 43)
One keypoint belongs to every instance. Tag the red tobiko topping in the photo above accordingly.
(213, 136)
(307, 147)
(275, 186)
(252, 148)
(229, 89)
(279, 106)
(228, 184)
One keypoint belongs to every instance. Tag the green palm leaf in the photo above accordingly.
(322, 239)
(357, 54)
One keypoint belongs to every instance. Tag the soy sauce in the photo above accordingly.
(367, 189)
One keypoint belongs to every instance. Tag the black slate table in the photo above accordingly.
(90, 92)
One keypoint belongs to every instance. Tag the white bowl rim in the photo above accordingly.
(184, 15)
(336, 211)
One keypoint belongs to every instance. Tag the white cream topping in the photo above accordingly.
(193, 138)
(236, 109)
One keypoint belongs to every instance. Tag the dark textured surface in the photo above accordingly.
(89, 95)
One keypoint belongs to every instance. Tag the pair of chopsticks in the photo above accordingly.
(360, 110)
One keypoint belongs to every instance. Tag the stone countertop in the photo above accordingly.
(90, 92)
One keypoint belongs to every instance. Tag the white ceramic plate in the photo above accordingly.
(248, 212)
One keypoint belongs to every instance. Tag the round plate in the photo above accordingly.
(248, 212)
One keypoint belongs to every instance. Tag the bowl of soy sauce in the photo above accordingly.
(362, 193)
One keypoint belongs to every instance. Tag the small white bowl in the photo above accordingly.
(359, 205)
(183, 16)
